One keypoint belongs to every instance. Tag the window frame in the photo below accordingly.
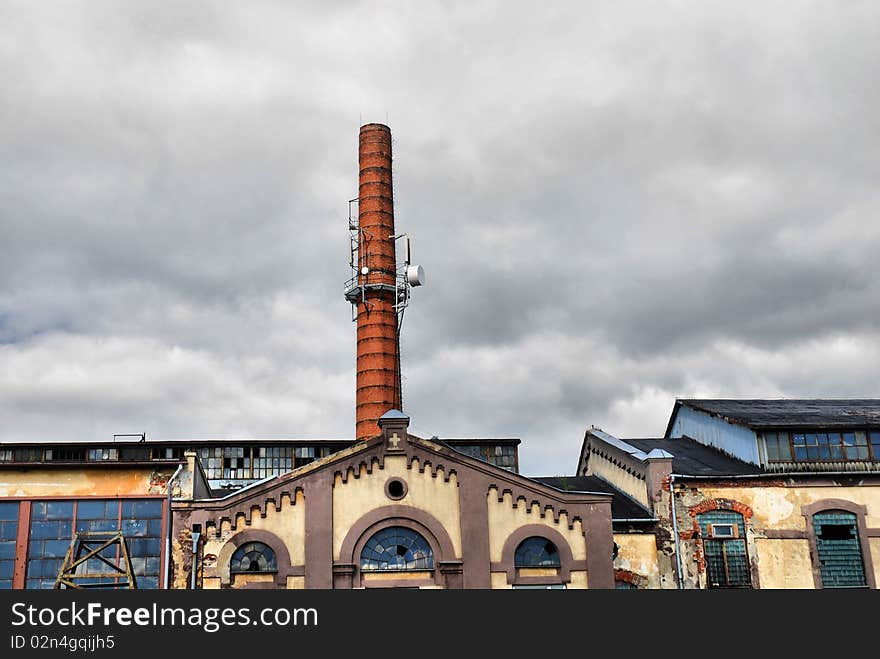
(860, 511)
(724, 542)
(403, 531)
(242, 547)
(818, 445)
(558, 561)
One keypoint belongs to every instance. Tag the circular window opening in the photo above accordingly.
(395, 488)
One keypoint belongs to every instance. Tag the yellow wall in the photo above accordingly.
(619, 478)
(83, 482)
(289, 525)
(780, 507)
(784, 563)
(504, 519)
(637, 552)
(359, 496)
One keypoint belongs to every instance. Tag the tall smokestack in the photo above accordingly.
(378, 347)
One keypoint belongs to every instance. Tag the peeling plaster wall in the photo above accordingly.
(784, 563)
(637, 553)
(289, 525)
(775, 562)
(779, 507)
(425, 491)
(84, 482)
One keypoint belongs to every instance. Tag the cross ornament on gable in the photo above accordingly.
(394, 440)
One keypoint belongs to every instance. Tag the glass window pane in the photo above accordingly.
(396, 549)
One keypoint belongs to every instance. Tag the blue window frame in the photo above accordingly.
(397, 548)
(54, 523)
(839, 549)
(8, 534)
(724, 548)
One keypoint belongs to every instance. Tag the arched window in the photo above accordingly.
(536, 552)
(397, 548)
(253, 557)
(839, 549)
(724, 548)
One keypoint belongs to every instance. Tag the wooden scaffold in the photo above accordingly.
(88, 547)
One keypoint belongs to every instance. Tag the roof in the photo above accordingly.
(234, 441)
(691, 458)
(622, 505)
(790, 413)
(394, 414)
(173, 440)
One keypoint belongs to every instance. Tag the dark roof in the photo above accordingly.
(791, 413)
(694, 459)
(622, 506)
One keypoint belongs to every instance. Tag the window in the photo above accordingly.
(8, 533)
(724, 548)
(839, 549)
(66, 454)
(778, 447)
(536, 552)
(272, 460)
(253, 557)
(102, 454)
(832, 446)
(620, 584)
(500, 456)
(27, 454)
(52, 529)
(135, 453)
(397, 548)
(304, 455)
(236, 462)
(169, 453)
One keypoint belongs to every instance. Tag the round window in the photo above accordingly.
(395, 488)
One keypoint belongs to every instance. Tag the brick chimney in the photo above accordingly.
(378, 347)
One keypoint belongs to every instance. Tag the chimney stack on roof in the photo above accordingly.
(378, 346)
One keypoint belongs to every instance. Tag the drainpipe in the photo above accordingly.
(165, 568)
(678, 566)
(196, 534)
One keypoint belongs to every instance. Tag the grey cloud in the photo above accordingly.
(615, 206)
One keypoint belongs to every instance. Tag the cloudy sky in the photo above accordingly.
(616, 204)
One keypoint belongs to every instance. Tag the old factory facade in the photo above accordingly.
(735, 494)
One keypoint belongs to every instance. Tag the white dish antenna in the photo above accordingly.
(415, 275)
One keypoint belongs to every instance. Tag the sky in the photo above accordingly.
(616, 204)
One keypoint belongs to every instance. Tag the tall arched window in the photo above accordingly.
(536, 552)
(724, 548)
(253, 557)
(397, 548)
(839, 549)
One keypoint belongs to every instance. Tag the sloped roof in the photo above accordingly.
(622, 505)
(790, 413)
(692, 458)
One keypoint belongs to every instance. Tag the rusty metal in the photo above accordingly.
(86, 546)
